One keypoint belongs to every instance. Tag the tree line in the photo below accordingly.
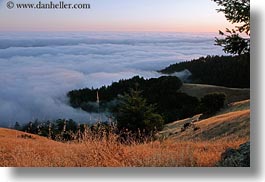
(228, 71)
(135, 120)
(162, 93)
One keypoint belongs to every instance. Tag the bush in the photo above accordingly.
(212, 103)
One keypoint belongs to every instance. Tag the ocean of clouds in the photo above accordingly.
(38, 69)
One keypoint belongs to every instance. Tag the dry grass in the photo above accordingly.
(200, 148)
(200, 90)
(236, 106)
(37, 151)
(226, 126)
(231, 122)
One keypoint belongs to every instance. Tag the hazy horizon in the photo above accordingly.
(138, 15)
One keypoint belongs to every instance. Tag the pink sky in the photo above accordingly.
(118, 15)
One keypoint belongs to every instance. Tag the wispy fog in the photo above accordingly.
(38, 69)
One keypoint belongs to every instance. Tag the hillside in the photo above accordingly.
(231, 123)
(198, 145)
(200, 90)
(24, 149)
(18, 149)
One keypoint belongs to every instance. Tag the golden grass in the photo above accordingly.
(41, 152)
(200, 148)
(231, 122)
(236, 106)
(226, 126)
(200, 90)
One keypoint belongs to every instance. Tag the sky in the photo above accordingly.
(117, 15)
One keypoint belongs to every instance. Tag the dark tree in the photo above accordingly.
(17, 126)
(162, 92)
(212, 103)
(134, 114)
(228, 71)
(236, 12)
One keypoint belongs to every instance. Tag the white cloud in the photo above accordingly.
(38, 69)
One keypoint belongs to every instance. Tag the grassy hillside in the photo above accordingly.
(200, 90)
(231, 123)
(202, 146)
(23, 150)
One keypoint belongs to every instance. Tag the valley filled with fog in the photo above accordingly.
(38, 69)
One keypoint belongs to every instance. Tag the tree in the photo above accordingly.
(135, 114)
(236, 12)
(17, 126)
(212, 103)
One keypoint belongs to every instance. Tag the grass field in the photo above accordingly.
(36, 151)
(230, 123)
(200, 90)
(173, 148)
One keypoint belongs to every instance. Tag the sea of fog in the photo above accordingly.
(38, 69)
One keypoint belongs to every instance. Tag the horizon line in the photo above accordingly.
(104, 31)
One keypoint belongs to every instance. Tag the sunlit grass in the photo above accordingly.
(36, 151)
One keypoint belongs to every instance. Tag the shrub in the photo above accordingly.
(135, 115)
(212, 103)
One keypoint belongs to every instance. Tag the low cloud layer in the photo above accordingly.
(38, 69)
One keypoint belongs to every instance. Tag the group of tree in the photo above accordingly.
(58, 129)
(135, 119)
(161, 92)
(144, 105)
(139, 117)
(228, 71)
(66, 129)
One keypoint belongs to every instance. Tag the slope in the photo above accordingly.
(200, 90)
(230, 123)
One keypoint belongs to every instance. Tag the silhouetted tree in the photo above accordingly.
(162, 91)
(17, 126)
(236, 11)
(228, 71)
(134, 114)
(212, 103)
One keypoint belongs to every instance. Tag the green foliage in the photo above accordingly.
(60, 127)
(212, 103)
(136, 115)
(228, 71)
(236, 11)
(63, 125)
(162, 92)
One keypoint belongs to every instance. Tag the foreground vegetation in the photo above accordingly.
(196, 146)
(34, 151)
